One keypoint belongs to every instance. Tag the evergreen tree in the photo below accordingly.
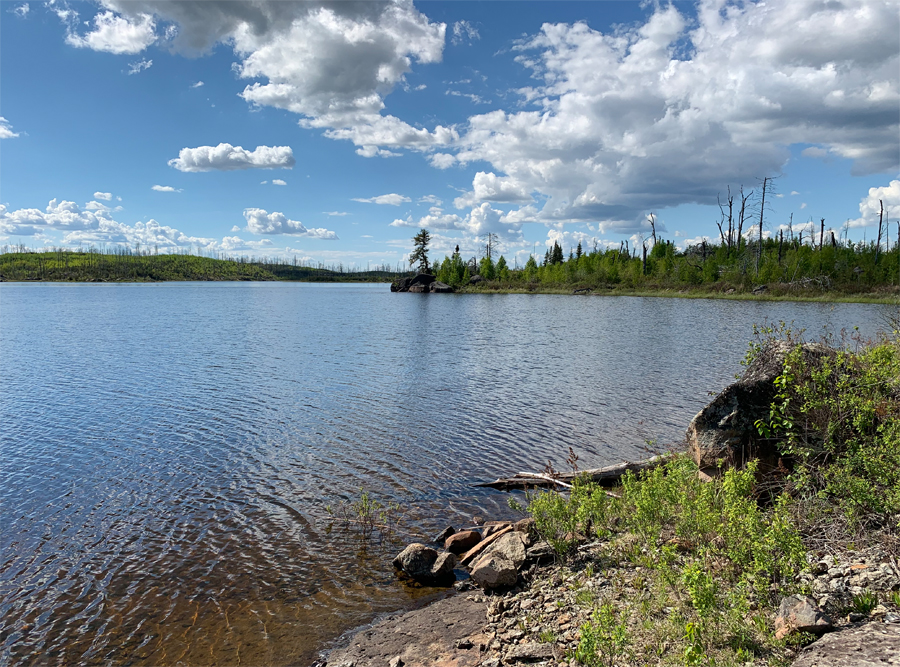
(420, 250)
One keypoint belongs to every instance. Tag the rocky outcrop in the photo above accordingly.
(724, 432)
(422, 283)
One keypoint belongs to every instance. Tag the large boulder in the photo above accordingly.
(462, 541)
(511, 546)
(724, 432)
(441, 288)
(425, 565)
(419, 283)
(872, 645)
(799, 613)
(494, 570)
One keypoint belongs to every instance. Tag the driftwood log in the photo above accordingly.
(608, 476)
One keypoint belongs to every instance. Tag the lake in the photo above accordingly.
(168, 450)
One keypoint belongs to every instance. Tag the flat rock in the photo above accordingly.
(531, 652)
(800, 613)
(462, 541)
(872, 645)
(420, 638)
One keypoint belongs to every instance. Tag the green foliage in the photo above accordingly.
(865, 602)
(367, 515)
(838, 418)
(559, 519)
(419, 254)
(604, 639)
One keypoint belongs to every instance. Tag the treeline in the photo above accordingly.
(125, 265)
(819, 262)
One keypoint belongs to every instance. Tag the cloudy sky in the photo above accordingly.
(331, 131)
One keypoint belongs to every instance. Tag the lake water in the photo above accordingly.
(168, 450)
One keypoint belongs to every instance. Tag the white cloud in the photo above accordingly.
(164, 188)
(802, 206)
(490, 187)
(21, 10)
(430, 199)
(464, 31)
(480, 221)
(794, 193)
(260, 221)
(226, 157)
(6, 129)
(332, 63)
(870, 205)
(235, 228)
(106, 196)
(139, 66)
(115, 34)
(442, 160)
(815, 152)
(278, 181)
(392, 199)
(198, 84)
(654, 115)
(336, 213)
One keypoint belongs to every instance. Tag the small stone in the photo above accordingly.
(396, 661)
(855, 617)
(464, 644)
(442, 536)
(531, 652)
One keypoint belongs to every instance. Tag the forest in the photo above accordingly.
(818, 263)
(127, 265)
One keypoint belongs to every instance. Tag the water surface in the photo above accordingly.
(168, 450)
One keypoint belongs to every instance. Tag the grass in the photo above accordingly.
(716, 557)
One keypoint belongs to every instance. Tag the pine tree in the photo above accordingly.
(420, 250)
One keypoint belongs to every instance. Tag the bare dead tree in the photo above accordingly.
(762, 210)
(821, 232)
(652, 220)
(880, 220)
(742, 216)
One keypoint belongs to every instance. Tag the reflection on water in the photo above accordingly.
(167, 450)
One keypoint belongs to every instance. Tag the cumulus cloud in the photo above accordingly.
(442, 160)
(6, 131)
(106, 196)
(226, 157)
(278, 181)
(332, 63)
(259, 221)
(392, 199)
(669, 111)
(480, 221)
(164, 188)
(116, 34)
(430, 199)
(139, 66)
(870, 205)
(490, 187)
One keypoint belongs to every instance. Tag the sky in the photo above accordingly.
(331, 132)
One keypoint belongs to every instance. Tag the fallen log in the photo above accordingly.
(607, 476)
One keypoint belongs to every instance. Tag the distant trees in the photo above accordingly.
(420, 250)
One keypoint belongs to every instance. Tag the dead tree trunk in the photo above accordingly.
(762, 210)
(880, 220)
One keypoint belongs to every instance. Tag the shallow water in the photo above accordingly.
(167, 451)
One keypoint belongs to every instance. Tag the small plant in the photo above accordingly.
(865, 602)
(604, 639)
(547, 636)
(366, 515)
(693, 651)
(895, 598)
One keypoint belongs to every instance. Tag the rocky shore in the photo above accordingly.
(665, 591)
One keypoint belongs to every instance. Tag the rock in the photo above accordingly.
(491, 527)
(725, 430)
(527, 526)
(494, 570)
(799, 613)
(418, 283)
(511, 546)
(442, 570)
(396, 661)
(444, 534)
(441, 288)
(418, 289)
(416, 560)
(872, 644)
(540, 553)
(475, 551)
(531, 652)
(474, 280)
(462, 541)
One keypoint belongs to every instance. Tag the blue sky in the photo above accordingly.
(331, 131)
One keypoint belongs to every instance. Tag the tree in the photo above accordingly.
(420, 250)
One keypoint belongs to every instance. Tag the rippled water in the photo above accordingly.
(167, 450)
